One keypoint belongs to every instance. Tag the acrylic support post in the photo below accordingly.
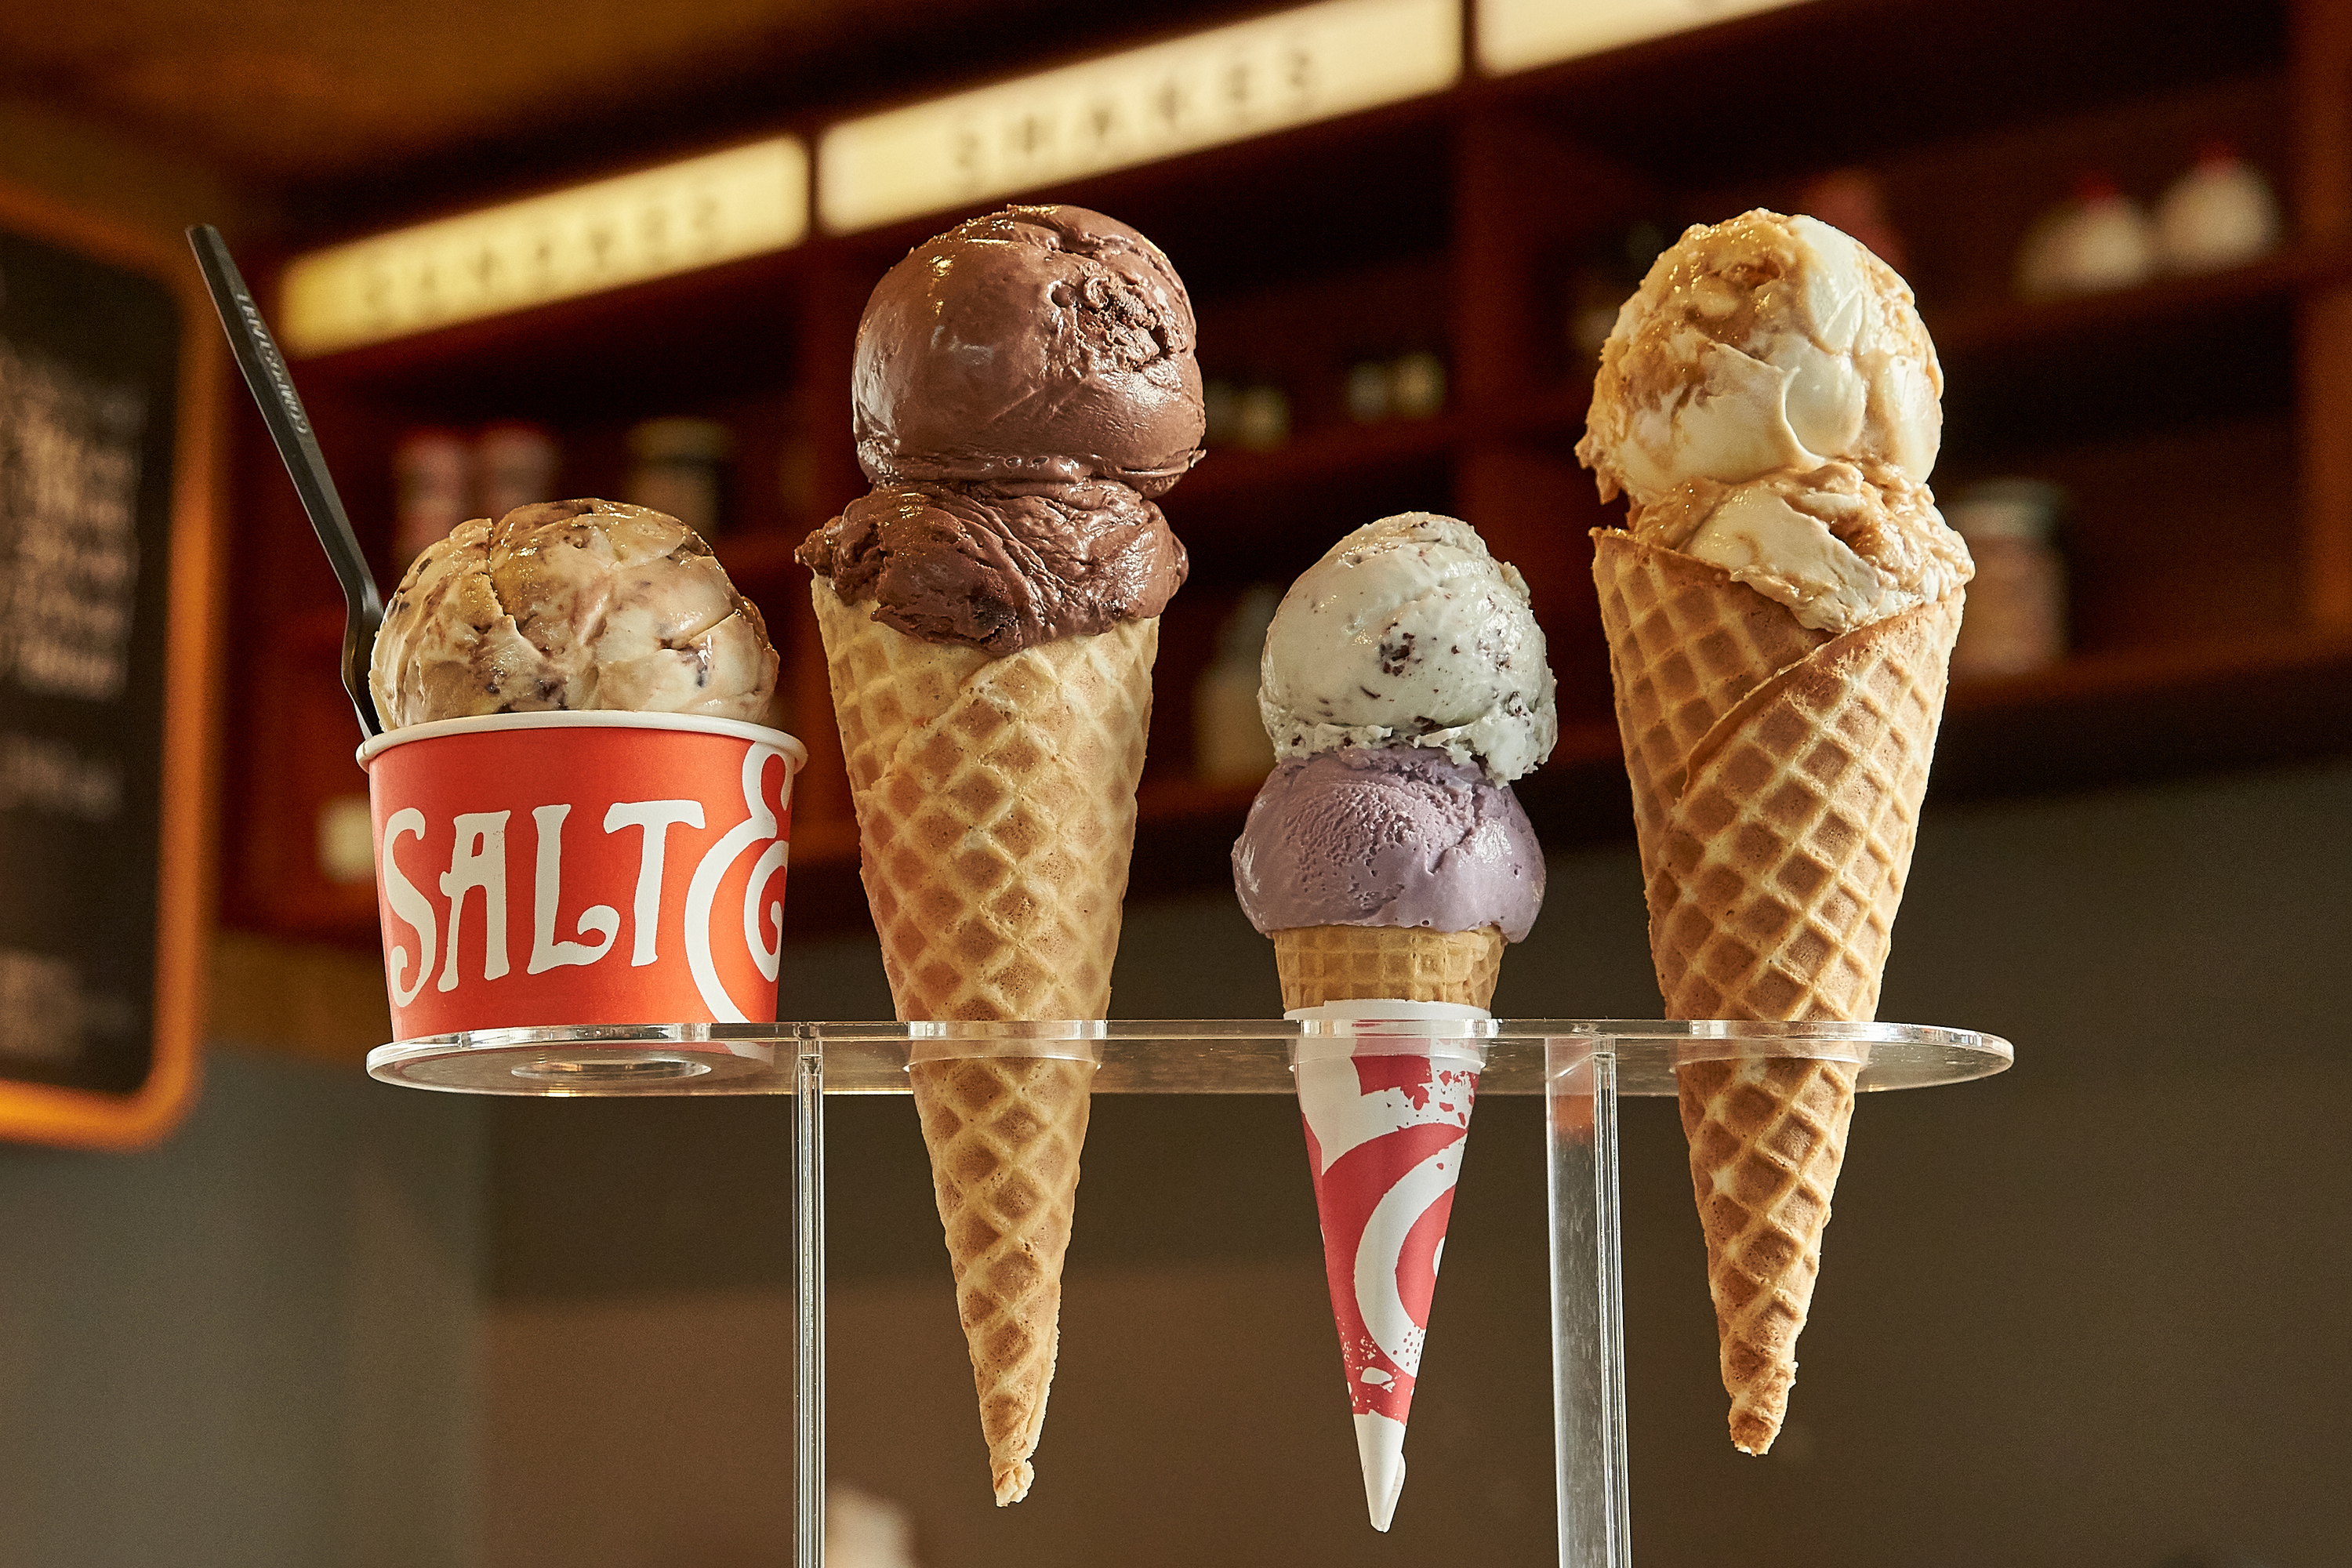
(1581, 1066)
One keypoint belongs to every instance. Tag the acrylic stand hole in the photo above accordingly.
(611, 1069)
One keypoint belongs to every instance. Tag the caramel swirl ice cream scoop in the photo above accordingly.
(1767, 403)
(1781, 606)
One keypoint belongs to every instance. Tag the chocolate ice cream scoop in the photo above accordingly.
(571, 605)
(1000, 570)
(1388, 835)
(1038, 344)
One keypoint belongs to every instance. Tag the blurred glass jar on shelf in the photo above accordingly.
(432, 483)
(2015, 621)
(1260, 417)
(1417, 385)
(1409, 386)
(1230, 745)
(344, 840)
(679, 466)
(1220, 411)
(1252, 415)
(2098, 240)
(2222, 213)
(515, 463)
(1611, 269)
(799, 487)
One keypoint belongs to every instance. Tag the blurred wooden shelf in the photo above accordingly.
(2199, 424)
(2217, 706)
(2164, 303)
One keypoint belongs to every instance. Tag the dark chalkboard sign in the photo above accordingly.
(108, 398)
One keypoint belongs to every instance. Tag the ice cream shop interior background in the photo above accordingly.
(2090, 1312)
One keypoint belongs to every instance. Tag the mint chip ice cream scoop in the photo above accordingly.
(1408, 633)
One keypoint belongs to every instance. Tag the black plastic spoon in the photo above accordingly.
(289, 428)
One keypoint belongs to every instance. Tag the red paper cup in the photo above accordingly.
(558, 870)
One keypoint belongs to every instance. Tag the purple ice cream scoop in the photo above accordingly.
(1388, 835)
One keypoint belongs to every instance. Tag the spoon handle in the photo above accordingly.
(289, 428)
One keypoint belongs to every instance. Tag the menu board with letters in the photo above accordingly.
(104, 549)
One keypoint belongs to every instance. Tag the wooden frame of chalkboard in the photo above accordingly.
(111, 369)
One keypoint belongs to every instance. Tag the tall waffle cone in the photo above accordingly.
(996, 802)
(1404, 963)
(1778, 773)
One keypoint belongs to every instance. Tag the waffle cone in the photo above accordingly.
(996, 802)
(1401, 964)
(1778, 773)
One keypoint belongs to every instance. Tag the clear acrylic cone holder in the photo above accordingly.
(1581, 1067)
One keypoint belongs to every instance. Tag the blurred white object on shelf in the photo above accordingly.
(862, 1530)
(2219, 214)
(1230, 744)
(2098, 240)
(2016, 615)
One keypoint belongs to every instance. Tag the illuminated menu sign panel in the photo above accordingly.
(1202, 90)
(1517, 35)
(581, 241)
(107, 561)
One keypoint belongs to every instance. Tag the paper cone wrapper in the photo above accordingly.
(1385, 1137)
(542, 871)
(1777, 774)
(996, 802)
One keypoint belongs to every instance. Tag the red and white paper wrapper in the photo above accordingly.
(546, 870)
(1387, 1119)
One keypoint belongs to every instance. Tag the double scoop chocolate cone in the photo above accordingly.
(1024, 384)
(1778, 773)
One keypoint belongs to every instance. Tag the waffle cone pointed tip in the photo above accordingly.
(1004, 1135)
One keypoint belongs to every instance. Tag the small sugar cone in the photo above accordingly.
(1385, 1136)
(1778, 773)
(1401, 964)
(996, 802)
